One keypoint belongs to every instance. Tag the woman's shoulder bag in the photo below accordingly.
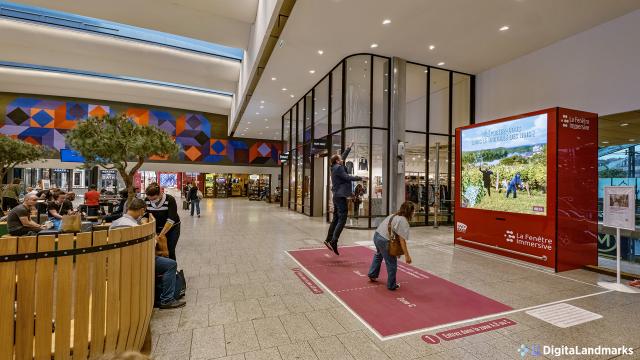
(395, 248)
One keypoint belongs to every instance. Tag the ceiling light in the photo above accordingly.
(292, 95)
(261, 107)
(312, 71)
(257, 113)
(266, 127)
(274, 79)
(426, 71)
(320, 52)
(504, 28)
(624, 124)
(386, 22)
(324, 109)
(249, 122)
(431, 47)
(441, 63)
(261, 101)
(605, 142)
(632, 139)
(413, 158)
(266, 119)
(374, 45)
(284, 89)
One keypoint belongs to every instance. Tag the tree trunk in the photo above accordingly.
(3, 172)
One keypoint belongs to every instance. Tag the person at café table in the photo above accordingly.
(19, 221)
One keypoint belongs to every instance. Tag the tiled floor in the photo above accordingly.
(244, 302)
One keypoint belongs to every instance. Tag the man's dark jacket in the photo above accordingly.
(340, 179)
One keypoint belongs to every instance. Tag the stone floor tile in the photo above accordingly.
(361, 347)
(324, 323)
(273, 306)
(265, 354)
(224, 313)
(297, 351)
(330, 348)
(176, 344)
(208, 343)
(240, 337)
(298, 327)
(248, 310)
(270, 332)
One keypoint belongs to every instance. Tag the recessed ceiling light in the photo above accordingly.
(504, 28)
(249, 122)
(312, 71)
(292, 95)
(261, 101)
(266, 119)
(431, 47)
(261, 107)
(320, 52)
(624, 124)
(284, 89)
(257, 113)
(386, 22)
(274, 78)
(374, 45)
(324, 109)
(441, 63)
(426, 71)
(605, 142)
(632, 139)
(266, 127)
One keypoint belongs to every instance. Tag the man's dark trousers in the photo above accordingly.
(339, 219)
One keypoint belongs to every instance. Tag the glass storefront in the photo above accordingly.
(319, 129)
(351, 104)
(437, 102)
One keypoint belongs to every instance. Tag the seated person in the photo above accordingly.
(165, 267)
(119, 210)
(67, 205)
(54, 209)
(19, 221)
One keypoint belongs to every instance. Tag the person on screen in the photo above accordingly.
(513, 185)
(486, 179)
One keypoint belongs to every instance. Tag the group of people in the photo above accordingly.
(341, 187)
(193, 195)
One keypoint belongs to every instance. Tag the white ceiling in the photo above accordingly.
(225, 22)
(465, 34)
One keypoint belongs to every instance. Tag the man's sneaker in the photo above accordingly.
(173, 305)
(334, 247)
(372, 279)
(328, 245)
(395, 287)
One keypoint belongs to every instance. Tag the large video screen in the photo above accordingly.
(504, 166)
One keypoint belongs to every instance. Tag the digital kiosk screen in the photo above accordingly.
(504, 166)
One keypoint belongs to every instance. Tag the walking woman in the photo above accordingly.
(193, 195)
(400, 226)
(11, 195)
(164, 209)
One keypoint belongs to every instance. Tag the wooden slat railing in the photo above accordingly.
(81, 305)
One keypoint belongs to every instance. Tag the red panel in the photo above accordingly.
(577, 189)
(534, 234)
(424, 300)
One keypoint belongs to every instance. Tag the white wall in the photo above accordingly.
(266, 17)
(597, 70)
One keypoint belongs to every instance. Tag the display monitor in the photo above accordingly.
(504, 166)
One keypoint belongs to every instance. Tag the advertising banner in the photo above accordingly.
(619, 205)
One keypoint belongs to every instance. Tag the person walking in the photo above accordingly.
(194, 198)
(400, 226)
(164, 209)
(341, 188)
(11, 195)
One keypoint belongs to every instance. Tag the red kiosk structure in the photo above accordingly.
(527, 188)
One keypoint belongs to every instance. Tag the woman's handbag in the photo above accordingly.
(71, 223)
(199, 194)
(395, 248)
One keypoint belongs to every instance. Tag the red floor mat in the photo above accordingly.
(423, 301)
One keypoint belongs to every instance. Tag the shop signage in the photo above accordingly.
(109, 174)
(60, 171)
(254, 177)
(284, 157)
(68, 155)
(619, 207)
(320, 144)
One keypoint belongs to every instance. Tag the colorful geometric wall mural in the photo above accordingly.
(202, 137)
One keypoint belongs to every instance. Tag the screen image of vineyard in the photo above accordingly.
(504, 166)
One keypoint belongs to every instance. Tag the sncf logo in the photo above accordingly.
(460, 227)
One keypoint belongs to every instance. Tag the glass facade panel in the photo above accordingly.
(415, 174)
(357, 164)
(439, 192)
(299, 170)
(336, 99)
(293, 160)
(294, 127)
(306, 184)
(300, 135)
(379, 171)
(286, 131)
(439, 101)
(308, 119)
(380, 92)
(321, 109)
(358, 91)
(461, 107)
(416, 97)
